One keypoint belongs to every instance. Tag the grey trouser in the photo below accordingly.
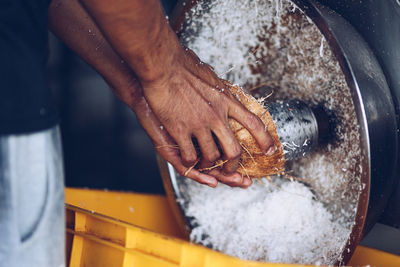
(32, 200)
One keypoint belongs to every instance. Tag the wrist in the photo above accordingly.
(159, 58)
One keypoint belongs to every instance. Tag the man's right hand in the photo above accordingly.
(192, 102)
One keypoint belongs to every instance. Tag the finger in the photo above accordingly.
(234, 179)
(195, 174)
(172, 156)
(187, 150)
(166, 147)
(170, 152)
(231, 165)
(253, 124)
(230, 146)
(209, 150)
(247, 182)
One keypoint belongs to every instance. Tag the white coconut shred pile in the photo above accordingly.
(272, 42)
(266, 223)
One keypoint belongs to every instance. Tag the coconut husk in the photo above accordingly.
(254, 163)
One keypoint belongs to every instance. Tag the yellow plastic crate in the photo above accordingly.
(126, 229)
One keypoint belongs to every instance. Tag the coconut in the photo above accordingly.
(253, 162)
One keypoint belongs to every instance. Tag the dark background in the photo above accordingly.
(104, 145)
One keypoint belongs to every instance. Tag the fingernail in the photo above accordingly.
(213, 184)
(271, 151)
(247, 182)
(237, 178)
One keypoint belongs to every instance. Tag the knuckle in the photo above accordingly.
(198, 126)
(234, 153)
(189, 158)
(213, 117)
(221, 125)
(212, 156)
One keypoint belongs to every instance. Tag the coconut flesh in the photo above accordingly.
(271, 42)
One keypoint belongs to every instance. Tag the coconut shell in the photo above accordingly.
(254, 163)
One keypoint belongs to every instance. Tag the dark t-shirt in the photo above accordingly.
(25, 99)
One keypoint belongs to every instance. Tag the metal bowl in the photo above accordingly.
(375, 113)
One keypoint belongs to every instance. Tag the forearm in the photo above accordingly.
(69, 20)
(139, 32)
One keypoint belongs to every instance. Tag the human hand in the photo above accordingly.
(132, 95)
(191, 102)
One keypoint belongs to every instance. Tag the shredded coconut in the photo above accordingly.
(266, 222)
